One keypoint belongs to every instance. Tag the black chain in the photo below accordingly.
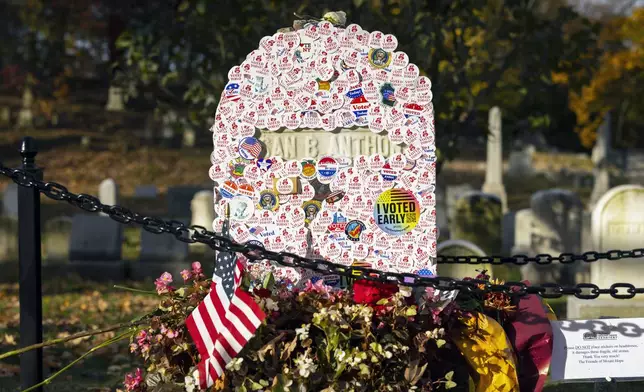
(193, 234)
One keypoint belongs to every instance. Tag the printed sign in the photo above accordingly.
(592, 349)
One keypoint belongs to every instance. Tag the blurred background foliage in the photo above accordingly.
(553, 66)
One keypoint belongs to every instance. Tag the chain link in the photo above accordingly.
(193, 234)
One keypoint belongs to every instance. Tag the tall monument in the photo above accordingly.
(494, 167)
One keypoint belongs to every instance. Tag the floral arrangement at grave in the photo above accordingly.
(257, 326)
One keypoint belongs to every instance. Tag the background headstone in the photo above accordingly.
(5, 117)
(551, 226)
(26, 115)
(520, 163)
(617, 223)
(10, 201)
(146, 191)
(8, 239)
(441, 212)
(115, 99)
(460, 271)
(57, 234)
(600, 158)
(108, 192)
(162, 248)
(478, 219)
(179, 199)
(95, 238)
(494, 167)
(453, 193)
(203, 213)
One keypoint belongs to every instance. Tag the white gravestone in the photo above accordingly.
(600, 158)
(26, 116)
(461, 248)
(10, 201)
(617, 224)
(115, 99)
(203, 213)
(494, 166)
(108, 193)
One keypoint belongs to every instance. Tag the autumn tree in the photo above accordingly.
(616, 86)
(478, 53)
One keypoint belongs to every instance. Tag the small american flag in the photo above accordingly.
(226, 319)
(251, 145)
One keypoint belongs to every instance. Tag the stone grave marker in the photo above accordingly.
(520, 163)
(203, 213)
(115, 99)
(494, 167)
(8, 239)
(478, 219)
(95, 247)
(551, 226)
(453, 193)
(442, 221)
(600, 158)
(108, 192)
(146, 191)
(160, 253)
(57, 233)
(179, 200)
(617, 224)
(26, 116)
(10, 201)
(5, 117)
(461, 248)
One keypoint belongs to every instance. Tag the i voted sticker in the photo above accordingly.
(397, 211)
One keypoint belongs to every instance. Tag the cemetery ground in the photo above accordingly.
(72, 305)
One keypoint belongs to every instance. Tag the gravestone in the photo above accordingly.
(8, 250)
(108, 193)
(26, 116)
(5, 117)
(507, 233)
(461, 248)
(160, 253)
(494, 166)
(453, 193)
(189, 136)
(520, 163)
(115, 99)
(441, 212)
(203, 213)
(477, 219)
(179, 199)
(551, 226)
(168, 124)
(10, 201)
(57, 233)
(95, 247)
(617, 224)
(600, 158)
(146, 191)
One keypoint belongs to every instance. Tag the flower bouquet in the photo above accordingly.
(370, 336)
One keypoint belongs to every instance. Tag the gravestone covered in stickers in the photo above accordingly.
(324, 147)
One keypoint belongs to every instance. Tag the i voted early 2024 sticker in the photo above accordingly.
(396, 211)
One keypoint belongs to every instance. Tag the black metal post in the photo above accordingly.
(31, 372)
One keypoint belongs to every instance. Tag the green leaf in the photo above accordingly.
(184, 6)
(440, 343)
(358, 3)
(201, 7)
(269, 281)
(411, 312)
(255, 386)
(383, 301)
(449, 375)
(450, 384)
(169, 78)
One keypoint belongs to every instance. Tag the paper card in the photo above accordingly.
(592, 349)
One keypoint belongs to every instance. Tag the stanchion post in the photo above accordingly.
(31, 370)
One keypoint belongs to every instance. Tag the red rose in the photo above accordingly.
(369, 292)
(262, 293)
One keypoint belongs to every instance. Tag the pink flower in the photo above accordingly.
(133, 347)
(317, 287)
(170, 333)
(186, 275)
(196, 269)
(162, 283)
(133, 381)
(142, 337)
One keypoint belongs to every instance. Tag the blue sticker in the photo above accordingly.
(354, 229)
(355, 93)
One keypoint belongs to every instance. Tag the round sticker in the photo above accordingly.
(379, 58)
(311, 209)
(269, 200)
(249, 148)
(308, 171)
(354, 229)
(241, 208)
(327, 168)
(396, 211)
